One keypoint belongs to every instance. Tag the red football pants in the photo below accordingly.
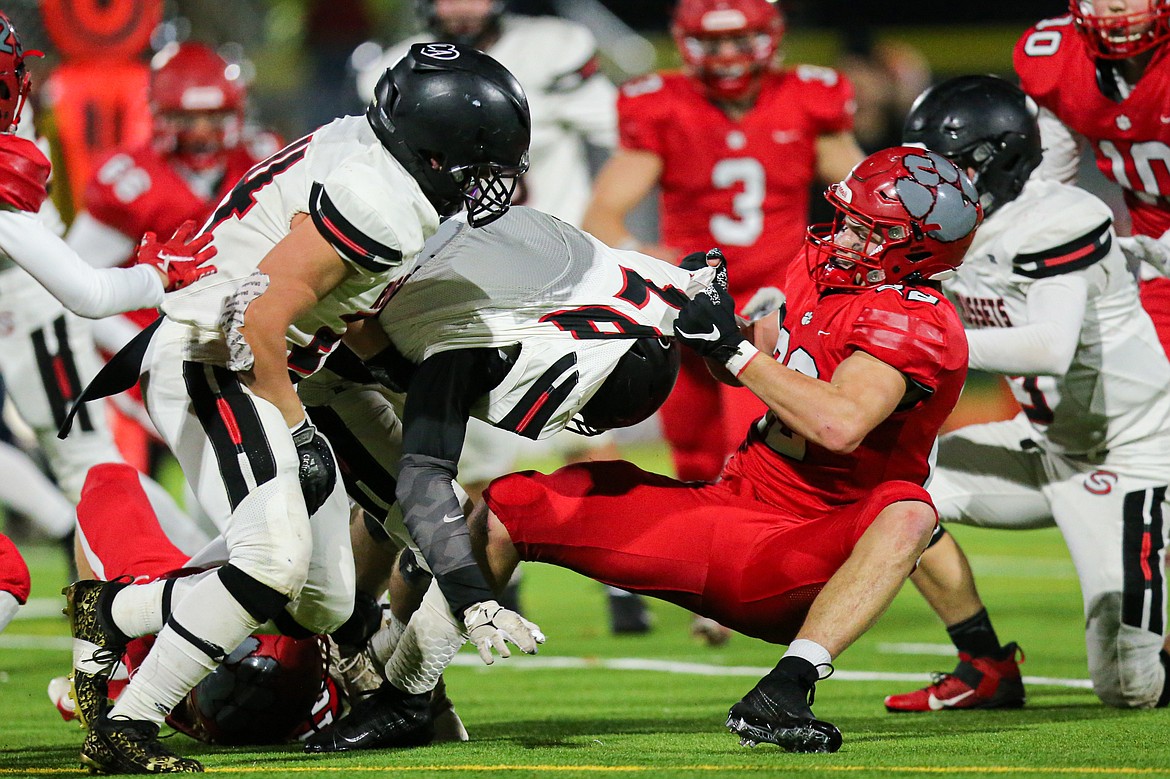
(711, 548)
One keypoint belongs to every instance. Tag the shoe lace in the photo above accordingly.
(822, 674)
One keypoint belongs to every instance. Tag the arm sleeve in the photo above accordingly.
(438, 406)
(99, 244)
(86, 291)
(1046, 344)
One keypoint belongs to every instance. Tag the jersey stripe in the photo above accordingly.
(1078, 253)
(351, 243)
(540, 402)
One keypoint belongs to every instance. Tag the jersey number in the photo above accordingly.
(242, 197)
(128, 181)
(746, 222)
(1142, 167)
(778, 436)
(591, 322)
(1044, 42)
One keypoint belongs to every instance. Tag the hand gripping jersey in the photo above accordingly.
(571, 101)
(1130, 137)
(743, 186)
(362, 201)
(569, 307)
(913, 329)
(24, 173)
(1114, 392)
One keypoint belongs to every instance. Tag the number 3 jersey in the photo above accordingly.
(361, 200)
(1114, 391)
(557, 301)
(911, 328)
(740, 185)
(1130, 137)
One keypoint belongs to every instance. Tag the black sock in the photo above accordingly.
(975, 636)
(1164, 698)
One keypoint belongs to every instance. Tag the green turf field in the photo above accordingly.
(592, 705)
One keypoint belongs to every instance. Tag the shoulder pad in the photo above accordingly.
(1075, 254)
(24, 174)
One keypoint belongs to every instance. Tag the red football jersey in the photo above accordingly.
(914, 329)
(136, 190)
(1130, 138)
(24, 171)
(740, 185)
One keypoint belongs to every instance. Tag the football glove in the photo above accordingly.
(707, 322)
(1142, 248)
(181, 260)
(316, 469)
(490, 626)
(231, 320)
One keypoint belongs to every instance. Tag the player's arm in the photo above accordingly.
(442, 393)
(301, 269)
(837, 153)
(621, 184)
(99, 244)
(1046, 343)
(1062, 149)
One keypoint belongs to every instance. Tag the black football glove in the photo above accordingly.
(707, 324)
(317, 470)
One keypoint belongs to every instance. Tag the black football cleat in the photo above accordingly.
(628, 614)
(384, 718)
(98, 644)
(777, 711)
(124, 746)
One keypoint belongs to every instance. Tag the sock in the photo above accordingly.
(430, 641)
(816, 655)
(1164, 698)
(383, 643)
(142, 609)
(975, 636)
(210, 616)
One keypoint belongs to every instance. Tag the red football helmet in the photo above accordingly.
(1121, 36)
(14, 78)
(197, 99)
(728, 44)
(902, 211)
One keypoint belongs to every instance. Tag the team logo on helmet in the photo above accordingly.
(926, 194)
(440, 51)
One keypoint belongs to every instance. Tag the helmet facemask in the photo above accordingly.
(727, 45)
(1124, 35)
(15, 80)
(487, 189)
(850, 253)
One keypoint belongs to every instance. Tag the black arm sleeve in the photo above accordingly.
(438, 405)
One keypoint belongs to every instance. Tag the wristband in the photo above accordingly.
(303, 433)
(744, 354)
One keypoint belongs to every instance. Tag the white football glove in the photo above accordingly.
(1144, 249)
(490, 626)
(231, 319)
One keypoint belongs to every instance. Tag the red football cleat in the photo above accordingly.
(976, 683)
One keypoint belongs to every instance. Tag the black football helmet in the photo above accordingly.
(983, 123)
(635, 388)
(469, 31)
(458, 121)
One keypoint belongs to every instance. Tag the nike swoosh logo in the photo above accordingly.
(938, 704)
(452, 518)
(711, 336)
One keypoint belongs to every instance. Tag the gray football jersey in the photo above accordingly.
(532, 284)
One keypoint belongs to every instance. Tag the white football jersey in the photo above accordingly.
(571, 102)
(363, 203)
(531, 282)
(1115, 389)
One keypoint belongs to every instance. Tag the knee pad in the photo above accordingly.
(936, 536)
(1124, 661)
(268, 536)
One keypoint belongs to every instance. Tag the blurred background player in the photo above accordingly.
(1048, 301)
(735, 142)
(1101, 78)
(573, 117)
(199, 149)
(46, 352)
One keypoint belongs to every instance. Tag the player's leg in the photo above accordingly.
(14, 581)
(984, 477)
(239, 457)
(1112, 521)
(698, 451)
